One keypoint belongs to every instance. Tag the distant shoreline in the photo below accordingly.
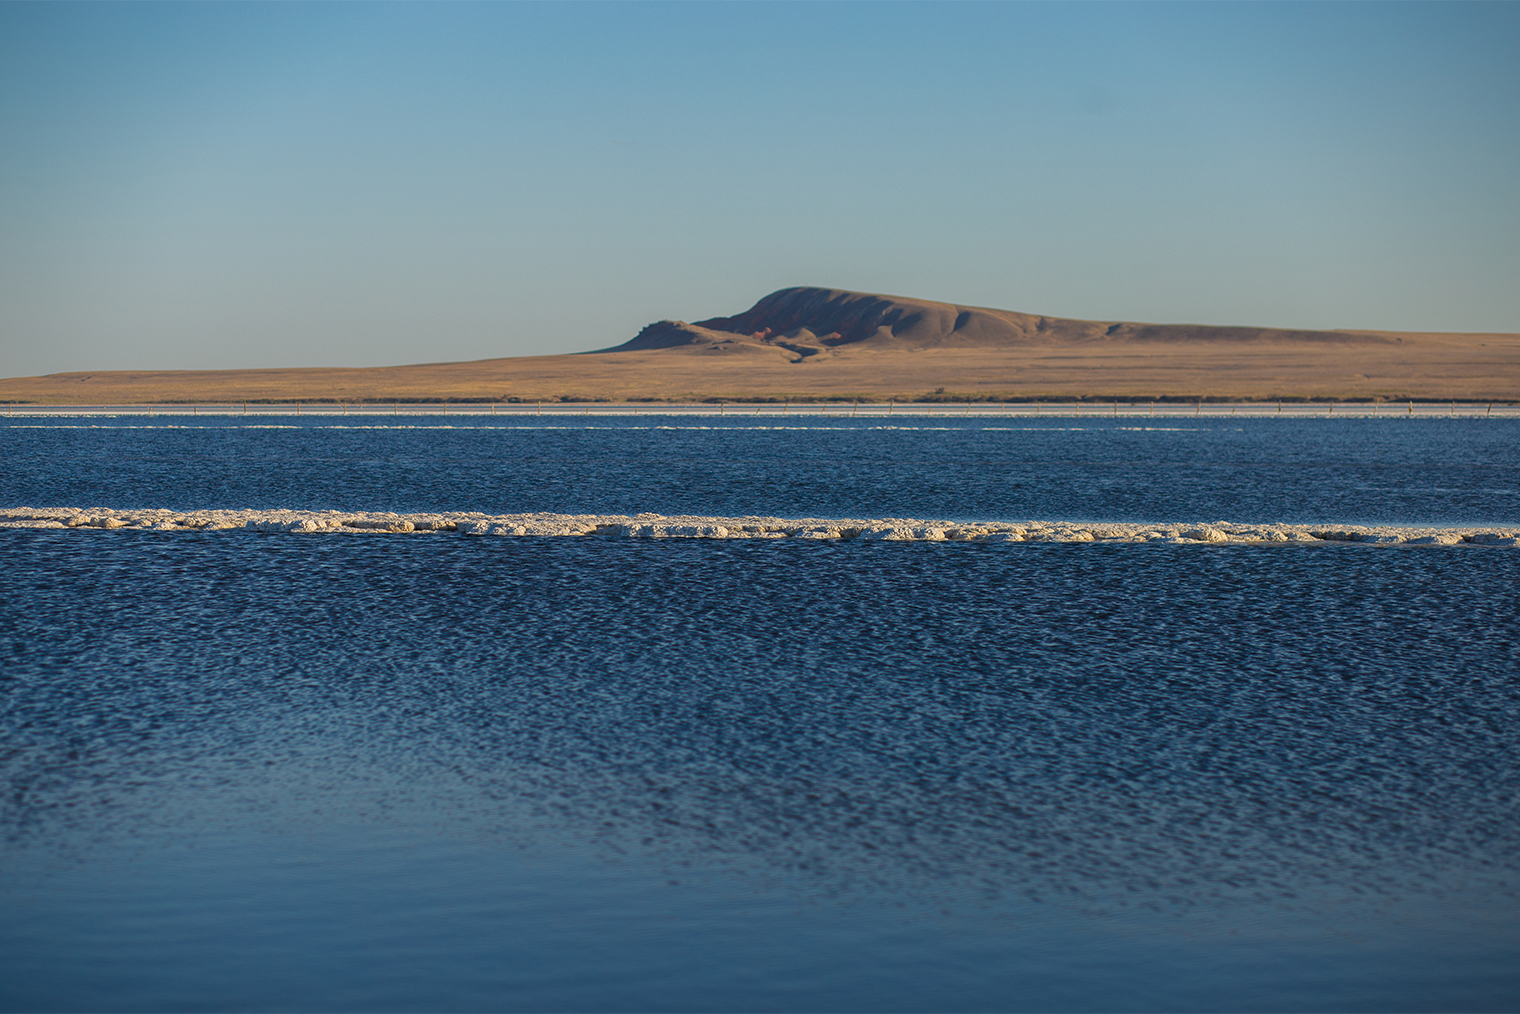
(810, 345)
(1440, 368)
(807, 345)
(835, 408)
(903, 403)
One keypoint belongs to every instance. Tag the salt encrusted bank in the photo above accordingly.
(695, 527)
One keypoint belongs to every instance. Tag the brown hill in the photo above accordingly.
(815, 342)
(803, 322)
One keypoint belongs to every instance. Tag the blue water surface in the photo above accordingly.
(246, 771)
(1345, 470)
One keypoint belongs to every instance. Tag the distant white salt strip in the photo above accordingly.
(657, 526)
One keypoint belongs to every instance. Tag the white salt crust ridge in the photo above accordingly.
(656, 526)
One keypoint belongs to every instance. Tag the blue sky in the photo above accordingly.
(200, 186)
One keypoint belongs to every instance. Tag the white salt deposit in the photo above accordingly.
(656, 526)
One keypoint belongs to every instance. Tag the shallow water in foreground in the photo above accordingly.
(244, 771)
(265, 772)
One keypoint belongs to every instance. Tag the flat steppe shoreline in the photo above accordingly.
(1427, 368)
(812, 343)
(777, 411)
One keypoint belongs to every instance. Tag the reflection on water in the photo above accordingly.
(1282, 745)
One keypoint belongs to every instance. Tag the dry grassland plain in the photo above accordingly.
(813, 343)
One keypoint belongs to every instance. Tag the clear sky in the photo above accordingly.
(192, 186)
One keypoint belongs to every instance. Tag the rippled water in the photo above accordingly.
(244, 771)
(1355, 471)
